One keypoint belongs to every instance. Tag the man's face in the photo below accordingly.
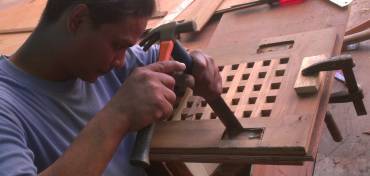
(99, 50)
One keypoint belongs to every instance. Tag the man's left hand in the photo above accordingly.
(208, 82)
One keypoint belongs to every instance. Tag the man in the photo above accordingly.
(64, 109)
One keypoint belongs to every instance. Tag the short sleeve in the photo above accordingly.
(16, 159)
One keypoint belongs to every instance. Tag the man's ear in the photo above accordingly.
(78, 17)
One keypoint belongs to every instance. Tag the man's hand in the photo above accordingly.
(147, 95)
(208, 83)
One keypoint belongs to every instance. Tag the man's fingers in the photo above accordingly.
(184, 80)
(167, 67)
(165, 79)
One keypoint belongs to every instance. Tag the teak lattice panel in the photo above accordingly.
(260, 91)
(251, 90)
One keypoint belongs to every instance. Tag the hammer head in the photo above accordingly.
(166, 32)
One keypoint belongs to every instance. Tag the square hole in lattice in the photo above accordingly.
(203, 103)
(266, 113)
(284, 60)
(240, 88)
(257, 87)
(213, 115)
(189, 104)
(176, 105)
(235, 67)
(225, 90)
(247, 114)
(266, 63)
(279, 73)
(270, 99)
(250, 65)
(262, 74)
(235, 101)
(230, 78)
(220, 68)
(198, 116)
(252, 100)
(245, 76)
(275, 86)
(184, 116)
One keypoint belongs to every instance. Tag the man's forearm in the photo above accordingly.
(92, 150)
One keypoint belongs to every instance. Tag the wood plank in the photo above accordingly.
(229, 5)
(11, 42)
(308, 85)
(360, 17)
(200, 12)
(21, 15)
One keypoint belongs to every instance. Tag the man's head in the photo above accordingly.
(92, 35)
(101, 11)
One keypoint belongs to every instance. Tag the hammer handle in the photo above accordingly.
(180, 54)
(140, 153)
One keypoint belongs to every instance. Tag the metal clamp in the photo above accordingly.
(344, 63)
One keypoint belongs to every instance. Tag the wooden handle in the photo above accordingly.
(357, 37)
(140, 153)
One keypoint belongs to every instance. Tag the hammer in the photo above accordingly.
(170, 46)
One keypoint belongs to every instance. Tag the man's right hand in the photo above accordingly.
(147, 95)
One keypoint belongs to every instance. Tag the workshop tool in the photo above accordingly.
(344, 63)
(165, 34)
(354, 94)
(272, 3)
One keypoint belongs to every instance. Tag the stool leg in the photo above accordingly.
(333, 128)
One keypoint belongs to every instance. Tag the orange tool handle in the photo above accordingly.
(165, 50)
(140, 153)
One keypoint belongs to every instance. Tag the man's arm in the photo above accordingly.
(147, 95)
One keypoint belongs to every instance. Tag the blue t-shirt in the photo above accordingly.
(39, 119)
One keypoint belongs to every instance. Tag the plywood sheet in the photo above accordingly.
(11, 42)
(360, 17)
(199, 11)
(261, 94)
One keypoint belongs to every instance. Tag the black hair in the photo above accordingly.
(101, 11)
